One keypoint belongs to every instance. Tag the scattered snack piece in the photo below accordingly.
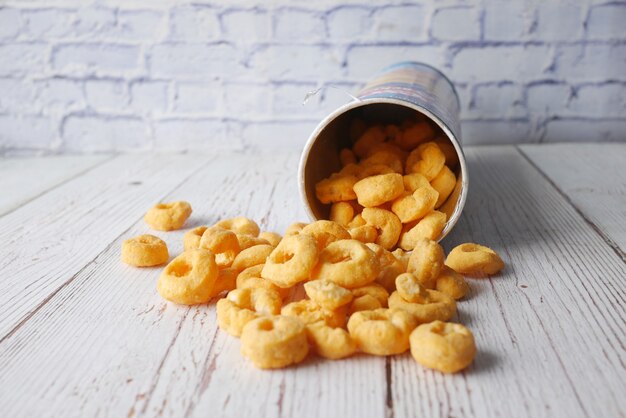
(191, 239)
(252, 256)
(292, 261)
(330, 343)
(325, 232)
(342, 213)
(327, 294)
(271, 237)
(348, 262)
(382, 332)
(144, 251)
(410, 289)
(452, 283)
(474, 260)
(430, 226)
(168, 216)
(426, 262)
(437, 306)
(274, 342)
(445, 347)
(375, 190)
(310, 312)
(240, 225)
(243, 305)
(221, 242)
(190, 278)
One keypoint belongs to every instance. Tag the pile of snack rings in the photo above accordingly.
(365, 293)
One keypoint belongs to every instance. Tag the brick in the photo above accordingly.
(246, 25)
(305, 62)
(559, 21)
(456, 24)
(60, 93)
(17, 95)
(182, 135)
(18, 59)
(32, 132)
(200, 60)
(11, 23)
(294, 25)
(501, 63)
(91, 22)
(496, 132)
(106, 95)
(585, 130)
(607, 21)
(406, 23)
(497, 101)
(349, 23)
(194, 23)
(246, 99)
(197, 97)
(284, 136)
(604, 100)
(95, 58)
(364, 62)
(46, 24)
(508, 21)
(591, 62)
(547, 98)
(96, 133)
(139, 25)
(148, 96)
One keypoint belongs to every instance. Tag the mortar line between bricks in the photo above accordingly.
(618, 251)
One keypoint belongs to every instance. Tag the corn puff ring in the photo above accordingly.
(411, 207)
(341, 213)
(240, 225)
(474, 260)
(191, 239)
(444, 183)
(414, 181)
(365, 233)
(271, 237)
(426, 262)
(430, 226)
(295, 228)
(310, 312)
(376, 190)
(452, 159)
(374, 290)
(253, 271)
(386, 158)
(327, 294)
(452, 283)
(364, 303)
(226, 280)
(349, 263)
(291, 261)
(251, 277)
(370, 170)
(414, 135)
(274, 342)
(381, 332)
(387, 224)
(244, 305)
(252, 256)
(144, 251)
(221, 242)
(336, 188)
(168, 216)
(231, 318)
(328, 342)
(372, 136)
(246, 241)
(410, 289)
(427, 159)
(445, 347)
(346, 156)
(325, 232)
(189, 278)
(438, 306)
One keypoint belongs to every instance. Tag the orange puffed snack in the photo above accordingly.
(144, 251)
(376, 190)
(474, 260)
(442, 346)
(168, 216)
(381, 332)
(348, 262)
(291, 261)
(190, 278)
(274, 342)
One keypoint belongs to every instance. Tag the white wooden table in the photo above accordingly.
(82, 334)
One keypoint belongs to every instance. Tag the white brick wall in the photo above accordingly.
(126, 75)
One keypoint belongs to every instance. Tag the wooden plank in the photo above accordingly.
(550, 330)
(22, 179)
(47, 241)
(592, 177)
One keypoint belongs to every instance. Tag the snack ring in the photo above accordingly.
(414, 135)
(327, 294)
(247, 241)
(189, 278)
(271, 237)
(251, 277)
(144, 251)
(191, 239)
(310, 312)
(414, 181)
(349, 263)
(430, 226)
(384, 157)
(443, 346)
(427, 159)
(387, 224)
(390, 267)
(252, 256)
(381, 332)
(325, 232)
(411, 207)
(438, 306)
(375, 190)
(373, 290)
(291, 261)
(364, 303)
(231, 318)
(243, 305)
(168, 216)
(364, 233)
(221, 242)
(330, 343)
(474, 260)
(275, 341)
(426, 262)
(341, 213)
(372, 136)
(443, 183)
(410, 289)
(336, 188)
(240, 225)
(452, 283)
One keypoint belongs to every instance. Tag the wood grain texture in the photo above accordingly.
(550, 329)
(593, 178)
(22, 179)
